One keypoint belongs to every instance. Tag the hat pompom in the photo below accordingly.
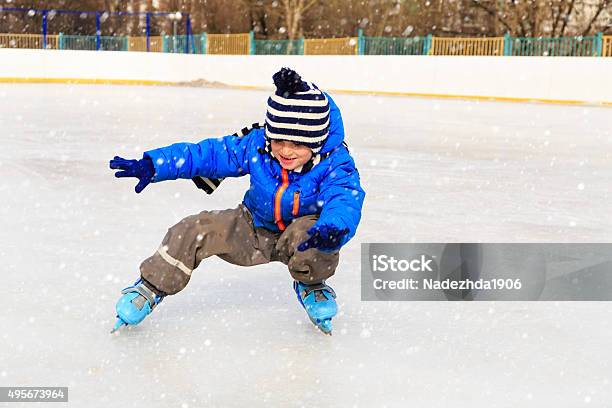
(288, 82)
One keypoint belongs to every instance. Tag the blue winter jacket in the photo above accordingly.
(276, 196)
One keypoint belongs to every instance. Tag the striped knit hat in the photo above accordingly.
(298, 111)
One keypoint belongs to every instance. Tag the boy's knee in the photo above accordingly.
(295, 234)
(313, 266)
(310, 266)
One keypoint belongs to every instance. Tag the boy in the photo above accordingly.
(304, 202)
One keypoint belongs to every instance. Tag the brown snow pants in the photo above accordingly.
(231, 235)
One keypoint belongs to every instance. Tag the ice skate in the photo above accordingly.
(319, 302)
(137, 302)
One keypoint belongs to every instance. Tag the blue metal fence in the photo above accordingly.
(98, 38)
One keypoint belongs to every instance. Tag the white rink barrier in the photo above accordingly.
(543, 79)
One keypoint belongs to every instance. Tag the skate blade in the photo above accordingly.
(325, 326)
(118, 324)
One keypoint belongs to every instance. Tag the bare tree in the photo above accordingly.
(553, 18)
(602, 5)
(294, 11)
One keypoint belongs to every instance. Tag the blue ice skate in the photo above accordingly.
(135, 304)
(319, 302)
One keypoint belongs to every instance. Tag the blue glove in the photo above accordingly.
(142, 169)
(326, 238)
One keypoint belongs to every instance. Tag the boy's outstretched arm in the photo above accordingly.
(342, 198)
(220, 157)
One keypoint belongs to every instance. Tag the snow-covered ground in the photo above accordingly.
(71, 236)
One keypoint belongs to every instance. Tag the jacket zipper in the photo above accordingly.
(277, 200)
(296, 204)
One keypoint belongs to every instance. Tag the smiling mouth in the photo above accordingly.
(287, 159)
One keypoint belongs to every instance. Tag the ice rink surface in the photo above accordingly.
(72, 236)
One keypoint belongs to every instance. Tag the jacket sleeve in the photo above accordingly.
(227, 156)
(341, 198)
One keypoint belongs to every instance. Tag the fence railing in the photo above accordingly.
(28, 41)
(195, 44)
(279, 47)
(606, 46)
(467, 46)
(331, 46)
(553, 47)
(241, 44)
(228, 44)
(394, 46)
(76, 42)
(108, 43)
(140, 44)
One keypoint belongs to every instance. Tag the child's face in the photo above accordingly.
(289, 154)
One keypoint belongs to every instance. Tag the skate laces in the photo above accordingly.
(318, 291)
(146, 295)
